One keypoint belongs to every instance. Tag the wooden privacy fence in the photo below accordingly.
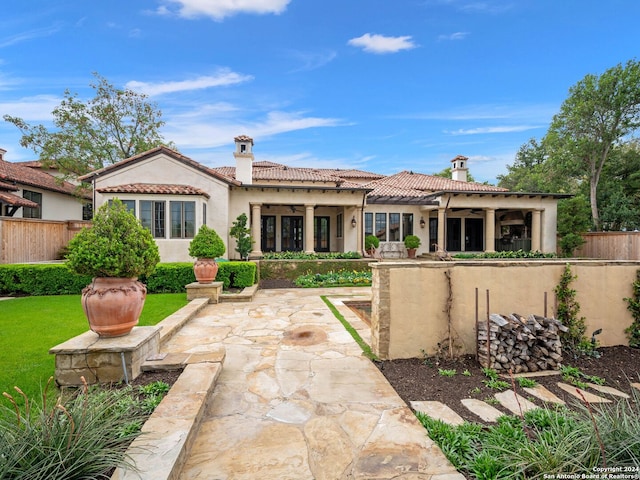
(26, 240)
(611, 246)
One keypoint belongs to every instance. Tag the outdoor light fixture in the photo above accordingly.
(353, 221)
(422, 222)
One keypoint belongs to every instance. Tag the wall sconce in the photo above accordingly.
(422, 222)
(353, 221)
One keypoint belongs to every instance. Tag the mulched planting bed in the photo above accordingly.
(419, 378)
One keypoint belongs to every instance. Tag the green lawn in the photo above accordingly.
(30, 326)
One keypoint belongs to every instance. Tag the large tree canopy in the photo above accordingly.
(114, 125)
(599, 114)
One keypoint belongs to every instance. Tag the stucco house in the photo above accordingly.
(26, 191)
(319, 209)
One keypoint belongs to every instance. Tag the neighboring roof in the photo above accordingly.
(154, 188)
(350, 173)
(14, 173)
(8, 186)
(155, 151)
(15, 200)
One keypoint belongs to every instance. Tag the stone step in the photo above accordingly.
(514, 402)
(178, 361)
(482, 409)
(437, 410)
(609, 390)
(539, 391)
(581, 394)
(636, 385)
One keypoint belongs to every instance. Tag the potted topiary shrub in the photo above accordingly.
(205, 247)
(411, 243)
(371, 242)
(115, 251)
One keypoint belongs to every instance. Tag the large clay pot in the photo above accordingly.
(411, 252)
(113, 305)
(205, 270)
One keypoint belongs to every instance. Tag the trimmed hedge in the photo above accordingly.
(57, 279)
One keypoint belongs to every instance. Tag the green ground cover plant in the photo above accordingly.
(30, 326)
(544, 441)
(287, 255)
(341, 278)
(505, 254)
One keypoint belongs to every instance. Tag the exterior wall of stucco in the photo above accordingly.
(55, 206)
(409, 301)
(163, 169)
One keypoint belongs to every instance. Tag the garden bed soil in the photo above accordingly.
(419, 379)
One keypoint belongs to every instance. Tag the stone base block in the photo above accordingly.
(104, 360)
(212, 291)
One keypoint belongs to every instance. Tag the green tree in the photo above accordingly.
(573, 220)
(619, 190)
(600, 112)
(114, 125)
(242, 234)
(534, 171)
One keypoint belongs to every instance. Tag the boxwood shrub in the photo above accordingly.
(57, 279)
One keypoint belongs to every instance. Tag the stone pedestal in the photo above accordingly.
(104, 360)
(212, 291)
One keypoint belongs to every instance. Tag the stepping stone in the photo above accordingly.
(609, 390)
(575, 391)
(515, 402)
(439, 411)
(482, 409)
(636, 385)
(539, 391)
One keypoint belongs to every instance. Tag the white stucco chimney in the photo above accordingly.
(244, 159)
(2, 152)
(459, 168)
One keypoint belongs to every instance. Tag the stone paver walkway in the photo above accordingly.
(296, 399)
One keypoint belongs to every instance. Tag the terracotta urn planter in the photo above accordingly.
(113, 305)
(411, 252)
(205, 270)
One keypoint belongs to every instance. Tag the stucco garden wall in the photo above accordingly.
(409, 300)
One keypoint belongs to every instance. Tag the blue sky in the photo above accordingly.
(379, 85)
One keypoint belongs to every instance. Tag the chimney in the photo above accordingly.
(244, 159)
(2, 152)
(459, 168)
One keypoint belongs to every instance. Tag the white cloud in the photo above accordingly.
(454, 36)
(36, 108)
(219, 9)
(381, 44)
(498, 129)
(524, 112)
(222, 78)
(311, 61)
(207, 129)
(26, 36)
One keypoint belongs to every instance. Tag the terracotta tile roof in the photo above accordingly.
(14, 173)
(8, 186)
(154, 151)
(350, 173)
(294, 174)
(243, 138)
(432, 183)
(154, 188)
(11, 199)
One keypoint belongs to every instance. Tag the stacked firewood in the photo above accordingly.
(518, 344)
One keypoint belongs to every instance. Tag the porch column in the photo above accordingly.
(442, 244)
(359, 231)
(490, 230)
(536, 231)
(256, 219)
(308, 228)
